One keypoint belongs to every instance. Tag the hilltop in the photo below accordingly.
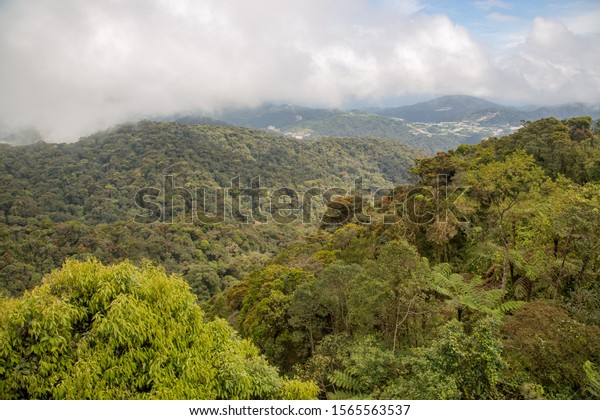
(79, 199)
(94, 180)
(436, 125)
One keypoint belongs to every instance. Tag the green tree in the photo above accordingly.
(464, 296)
(388, 296)
(119, 332)
(267, 297)
(332, 287)
(458, 364)
(546, 348)
(593, 378)
(499, 186)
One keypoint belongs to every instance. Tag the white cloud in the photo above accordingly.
(503, 18)
(556, 64)
(491, 4)
(584, 23)
(71, 67)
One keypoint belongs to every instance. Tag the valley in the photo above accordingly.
(427, 289)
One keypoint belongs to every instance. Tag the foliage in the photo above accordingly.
(207, 258)
(593, 378)
(77, 200)
(95, 179)
(456, 365)
(545, 346)
(265, 313)
(118, 332)
(469, 295)
(480, 281)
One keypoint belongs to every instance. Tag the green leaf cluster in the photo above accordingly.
(120, 332)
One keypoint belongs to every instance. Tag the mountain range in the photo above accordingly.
(431, 126)
(439, 124)
(467, 108)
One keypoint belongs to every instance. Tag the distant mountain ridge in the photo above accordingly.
(445, 108)
(463, 108)
(22, 138)
(431, 126)
(278, 116)
(435, 125)
(450, 108)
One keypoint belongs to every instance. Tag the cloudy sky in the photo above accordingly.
(70, 67)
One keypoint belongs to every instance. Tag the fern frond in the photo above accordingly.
(511, 305)
(593, 377)
(443, 269)
(345, 381)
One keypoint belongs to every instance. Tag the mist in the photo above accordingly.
(70, 68)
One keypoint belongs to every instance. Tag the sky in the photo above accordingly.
(69, 67)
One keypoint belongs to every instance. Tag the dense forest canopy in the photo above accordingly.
(95, 179)
(78, 200)
(492, 292)
(476, 277)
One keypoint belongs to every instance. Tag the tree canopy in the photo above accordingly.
(121, 332)
(478, 280)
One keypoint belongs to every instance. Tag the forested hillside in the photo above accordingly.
(95, 179)
(362, 124)
(481, 281)
(476, 277)
(78, 200)
(436, 125)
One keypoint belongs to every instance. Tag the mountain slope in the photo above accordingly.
(96, 179)
(468, 108)
(78, 200)
(446, 108)
(273, 115)
(432, 126)
(360, 124)
(307, 123)
(22, 138)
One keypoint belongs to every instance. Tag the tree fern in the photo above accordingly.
(511, 305)
(463, 294)
(593, 377)
(346, 381)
